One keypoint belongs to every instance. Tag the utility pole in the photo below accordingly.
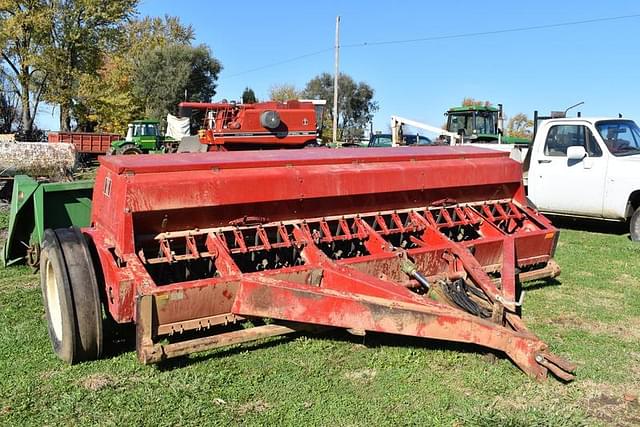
(335, 82)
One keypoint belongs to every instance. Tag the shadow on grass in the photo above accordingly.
(119, 339)
(540, 284)
(591, 225)
(372, 340)
(184, 361)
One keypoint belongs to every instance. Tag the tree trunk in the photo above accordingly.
(65, 117)
(27, 120)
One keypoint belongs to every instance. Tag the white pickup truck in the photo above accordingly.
(586, 167)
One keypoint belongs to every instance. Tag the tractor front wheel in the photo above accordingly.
(128, 149)
(71, 296)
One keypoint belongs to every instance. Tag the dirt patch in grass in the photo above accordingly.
(97, 382)
(48, 375)
(361, 375)
(255, 406)
(611, 404)
(626, 280)
(627, 329)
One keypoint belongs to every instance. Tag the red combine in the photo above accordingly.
(424, 242)
(231, 126)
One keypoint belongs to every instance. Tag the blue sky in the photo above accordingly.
(548, 69)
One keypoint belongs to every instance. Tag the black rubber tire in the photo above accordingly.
(634, 226)
(57, 299)
(68, 255)
(128, 149)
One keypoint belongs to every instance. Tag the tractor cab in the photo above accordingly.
(141, 131)
(475, 122)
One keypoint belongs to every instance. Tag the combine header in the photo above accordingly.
(423, 242)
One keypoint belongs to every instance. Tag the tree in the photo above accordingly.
(356, 106)
(201, 84)
(25, 28)
(249, 96)
(106, 102)
(152, 32)
(107, 98)
(519, 126)
(9, 112)
(81, 31)
(173, 73)
(471, 102)
(283, 92)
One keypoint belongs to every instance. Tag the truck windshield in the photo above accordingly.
(622, 137)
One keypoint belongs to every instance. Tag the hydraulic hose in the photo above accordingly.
(411, 270)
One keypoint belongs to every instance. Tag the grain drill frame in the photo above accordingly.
(423, 242)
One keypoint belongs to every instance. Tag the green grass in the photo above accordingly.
(591, 316)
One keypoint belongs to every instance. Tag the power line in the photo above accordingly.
(440, 37)
(485, 33)
(286, 61)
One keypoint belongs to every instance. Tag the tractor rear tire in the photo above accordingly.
(128, 149)
(634, 226)
(71, 296)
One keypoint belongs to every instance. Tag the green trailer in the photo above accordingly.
(36, 206)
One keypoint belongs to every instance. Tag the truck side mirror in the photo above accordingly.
(576, 152)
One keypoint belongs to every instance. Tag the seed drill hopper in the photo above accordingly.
(425, 242)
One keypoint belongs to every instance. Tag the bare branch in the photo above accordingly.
(10, 79)
(11, 64)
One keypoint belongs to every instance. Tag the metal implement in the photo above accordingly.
(262, 125)
(36, 206)
(423, 242)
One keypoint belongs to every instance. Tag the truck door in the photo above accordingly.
(561, 185)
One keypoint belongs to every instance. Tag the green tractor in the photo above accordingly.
(480, 123)
(143, 136)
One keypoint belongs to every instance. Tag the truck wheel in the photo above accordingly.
(71, 296)
(128, 149)
(634, 226)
